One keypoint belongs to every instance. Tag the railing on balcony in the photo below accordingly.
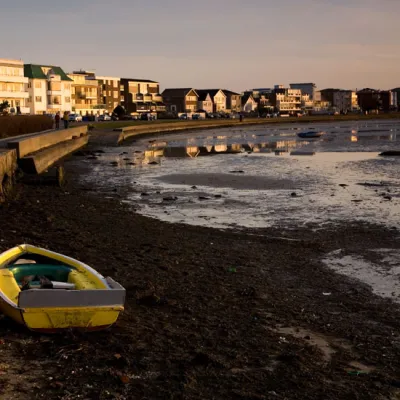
(90, 106)
(89, 82)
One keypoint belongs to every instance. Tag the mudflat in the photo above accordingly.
(210, 314)
(235, 179)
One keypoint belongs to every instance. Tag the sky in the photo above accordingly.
(233, 44)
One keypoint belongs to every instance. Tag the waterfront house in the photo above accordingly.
(180, 100)
(219, 100)
(204, 101)
(233, 101)
(85, 93)
(49, 89)
(306, 88)
(140, 96)
(374, 100)
(395, 98)
(327, 95)
(248, 103)
(286, 101)
(14, 85)
(109, 92)
(345, 101)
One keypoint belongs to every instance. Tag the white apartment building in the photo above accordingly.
(345, 100)
(49, 89)
(287, 101)
(14, 85)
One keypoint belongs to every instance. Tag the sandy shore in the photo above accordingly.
(209, 313)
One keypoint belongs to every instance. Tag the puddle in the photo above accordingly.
(327, 345)
(383, 277)
(310, 338)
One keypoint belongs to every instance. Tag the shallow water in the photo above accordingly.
(382, 276)
(247, 176)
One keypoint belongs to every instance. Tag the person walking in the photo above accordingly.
(66, 119)
(57, 120)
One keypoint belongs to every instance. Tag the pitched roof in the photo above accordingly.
(177, 92)
(246, 98)
(212, 92)
(230, 92)
(203, 94)
(34, 71)
(138, 80)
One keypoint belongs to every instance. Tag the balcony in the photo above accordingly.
(157, 97)
(54, 92)
(90, 106)
(143, 107)
(13, 79)
(14, 95)
(53, 106)
(91, 83)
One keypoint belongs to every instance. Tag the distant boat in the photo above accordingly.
(310, 134)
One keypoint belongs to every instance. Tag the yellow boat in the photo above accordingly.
(48, 292)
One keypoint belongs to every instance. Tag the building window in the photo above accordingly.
(29, 85)
(38, 85)
(67, 86)
(29, 99)
(38, 99)
(68, 99)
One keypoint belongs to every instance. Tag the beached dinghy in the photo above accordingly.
(47, 291)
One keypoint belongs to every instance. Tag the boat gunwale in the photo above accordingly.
(27, 248)
(20, 250)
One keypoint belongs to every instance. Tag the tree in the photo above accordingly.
(4, 105)
(119, 111)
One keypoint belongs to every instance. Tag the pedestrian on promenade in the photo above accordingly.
(57, 120)
(241, 117)
(66, 119)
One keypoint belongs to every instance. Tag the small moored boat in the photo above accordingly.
(310, 134)
(47, 291)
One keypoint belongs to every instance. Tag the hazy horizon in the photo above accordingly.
(227, 44)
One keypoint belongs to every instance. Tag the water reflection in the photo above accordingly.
(222, 147)
(278, 141)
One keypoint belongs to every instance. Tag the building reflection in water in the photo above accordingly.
(192, 148)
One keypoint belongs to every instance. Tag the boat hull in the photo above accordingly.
(58, 319)
(95, 307)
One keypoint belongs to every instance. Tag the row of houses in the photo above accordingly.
(190, 100)
(304, 97)
(47, 89)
